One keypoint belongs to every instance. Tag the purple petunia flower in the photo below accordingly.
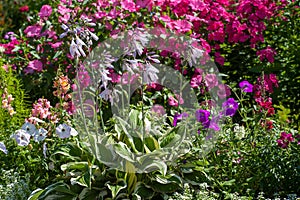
(22, 137)
(246, 86)
(3, 147)
(230, 107)
(178, 117)
(202, 116)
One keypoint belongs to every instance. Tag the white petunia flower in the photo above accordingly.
(40, 135)
(22, 137)
(29, 128)
(65, 131)
(3, 148)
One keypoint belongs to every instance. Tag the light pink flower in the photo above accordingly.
(158, 109)
(174, 102)
(211, 80)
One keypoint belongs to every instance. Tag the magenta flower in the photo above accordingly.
(45, 11)
(284, 140)
(33, 31)
(246, 86)
(196, 81)
(34, 66)
(230, 107)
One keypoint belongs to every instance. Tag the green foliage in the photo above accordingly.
(13, 86)
(13, 186)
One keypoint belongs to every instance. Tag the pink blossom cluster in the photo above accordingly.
(209, 82)
(7, 100)
(285, 139)
(41, 109)
(9, 47)
(263, 86)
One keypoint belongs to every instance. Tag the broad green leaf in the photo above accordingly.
(122, 150)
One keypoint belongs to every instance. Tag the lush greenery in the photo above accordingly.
(149, 99)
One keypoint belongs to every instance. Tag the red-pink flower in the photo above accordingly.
(284, 140)
(267, 53)
(24, 9)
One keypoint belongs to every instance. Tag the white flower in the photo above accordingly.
(45, 149)
(40, 135)
(3, 147)
(29, 128)
(22, 137)
(65, 131)
(74, 49)
(150, 74)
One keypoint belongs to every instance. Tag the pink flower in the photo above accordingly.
(34, 66)
(129, 79)
(158, 109)
(182, 25)
(128, 5)
(211, 80)
(174, 102)
(196, 81)
(45, 11)
(115, 77)
(223, 91)
(41, 109)
(33, 31)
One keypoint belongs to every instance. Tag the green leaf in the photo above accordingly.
(35, 54)
(143, 191)
(115, 189)
(58, 53)
(150, 165)
(151, 143)
(59, 186)
(123, 151)
(75, 165)
(35, 194)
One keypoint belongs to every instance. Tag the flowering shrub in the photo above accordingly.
(106, 120)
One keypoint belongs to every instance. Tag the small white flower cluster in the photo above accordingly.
(28, 130)
(79, 34)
